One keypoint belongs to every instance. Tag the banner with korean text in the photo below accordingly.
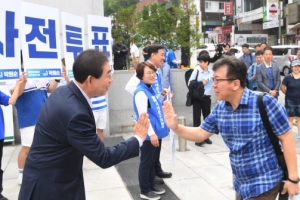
(40, 41)
(99, 35)
(73, 39)
(10, 20)
(227, 8)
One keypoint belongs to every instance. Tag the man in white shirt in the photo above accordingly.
(134, 51)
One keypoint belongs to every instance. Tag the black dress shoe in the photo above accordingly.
(199, 144)
(158, 181)
(163, 174)
(208, 141)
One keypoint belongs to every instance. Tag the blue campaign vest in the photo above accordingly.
(155, 111)
(158, 84)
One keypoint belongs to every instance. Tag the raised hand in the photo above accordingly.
(170, 116)
(141, 127)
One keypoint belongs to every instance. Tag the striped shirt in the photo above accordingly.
(31, 101)
(253, 160)
(99, 103)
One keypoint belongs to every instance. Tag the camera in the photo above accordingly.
(219, 48)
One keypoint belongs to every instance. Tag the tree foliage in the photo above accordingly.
(187, 31)
(156, 23)
(112, 6)
(127, 20)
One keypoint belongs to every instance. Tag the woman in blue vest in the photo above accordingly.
(145, 100)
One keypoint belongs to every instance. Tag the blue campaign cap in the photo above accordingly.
(163, 43)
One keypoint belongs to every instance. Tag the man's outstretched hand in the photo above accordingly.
(170, 116)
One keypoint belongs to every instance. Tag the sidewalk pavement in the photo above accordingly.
(201, 173)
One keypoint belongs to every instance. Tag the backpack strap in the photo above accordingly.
(197, 75)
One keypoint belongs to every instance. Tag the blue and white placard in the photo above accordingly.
(99, 34)
(10, 19)
(73, 38)
(40, 41)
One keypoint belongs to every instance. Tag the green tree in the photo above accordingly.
(156, 23)
(112, 6)
(127, 21)
(187, 31)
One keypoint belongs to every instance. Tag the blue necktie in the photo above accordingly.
(271, 78)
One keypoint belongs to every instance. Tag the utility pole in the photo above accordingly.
(279, 23)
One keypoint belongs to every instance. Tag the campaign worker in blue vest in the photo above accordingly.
(145, 99)
(156, 57)
(172, 60)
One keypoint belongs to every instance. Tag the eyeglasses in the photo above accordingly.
(151, 73)
(216, 80)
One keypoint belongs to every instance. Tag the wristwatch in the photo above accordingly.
(57, 80)
(292, 181)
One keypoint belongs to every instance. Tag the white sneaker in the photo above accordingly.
(20, 178)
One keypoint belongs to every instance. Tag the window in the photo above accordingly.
(253, 4)
(279, 52)
(207, 5)
(221, 6)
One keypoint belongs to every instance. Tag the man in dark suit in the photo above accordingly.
(120, 51)
(268, 74)
(66, 131)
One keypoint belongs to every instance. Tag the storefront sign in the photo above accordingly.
(251, 39)
(226, 29)
(272, 24)
(250, 13)
(227, 8)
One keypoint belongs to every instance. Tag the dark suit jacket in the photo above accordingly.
(64, 133)
(263, 80)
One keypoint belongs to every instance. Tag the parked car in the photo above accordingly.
(238, 51)
(210, 47)
(284, 54)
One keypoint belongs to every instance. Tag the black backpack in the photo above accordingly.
(187, 76)
(196, 89)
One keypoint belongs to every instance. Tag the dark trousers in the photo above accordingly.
(269, 195)
(149, 155)
(198, 106)
(1, 171)
(157, 162)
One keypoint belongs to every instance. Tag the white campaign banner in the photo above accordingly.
(10, 20)
(99, 35)
(40, 41)
(73, 39)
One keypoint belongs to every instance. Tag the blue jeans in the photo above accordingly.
(149, 156)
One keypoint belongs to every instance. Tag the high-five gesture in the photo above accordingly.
(141, 127)
(170, 116)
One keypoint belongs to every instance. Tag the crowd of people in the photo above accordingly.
(63, 135)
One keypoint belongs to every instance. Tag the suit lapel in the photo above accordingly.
(80, 96)
(263, 66)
